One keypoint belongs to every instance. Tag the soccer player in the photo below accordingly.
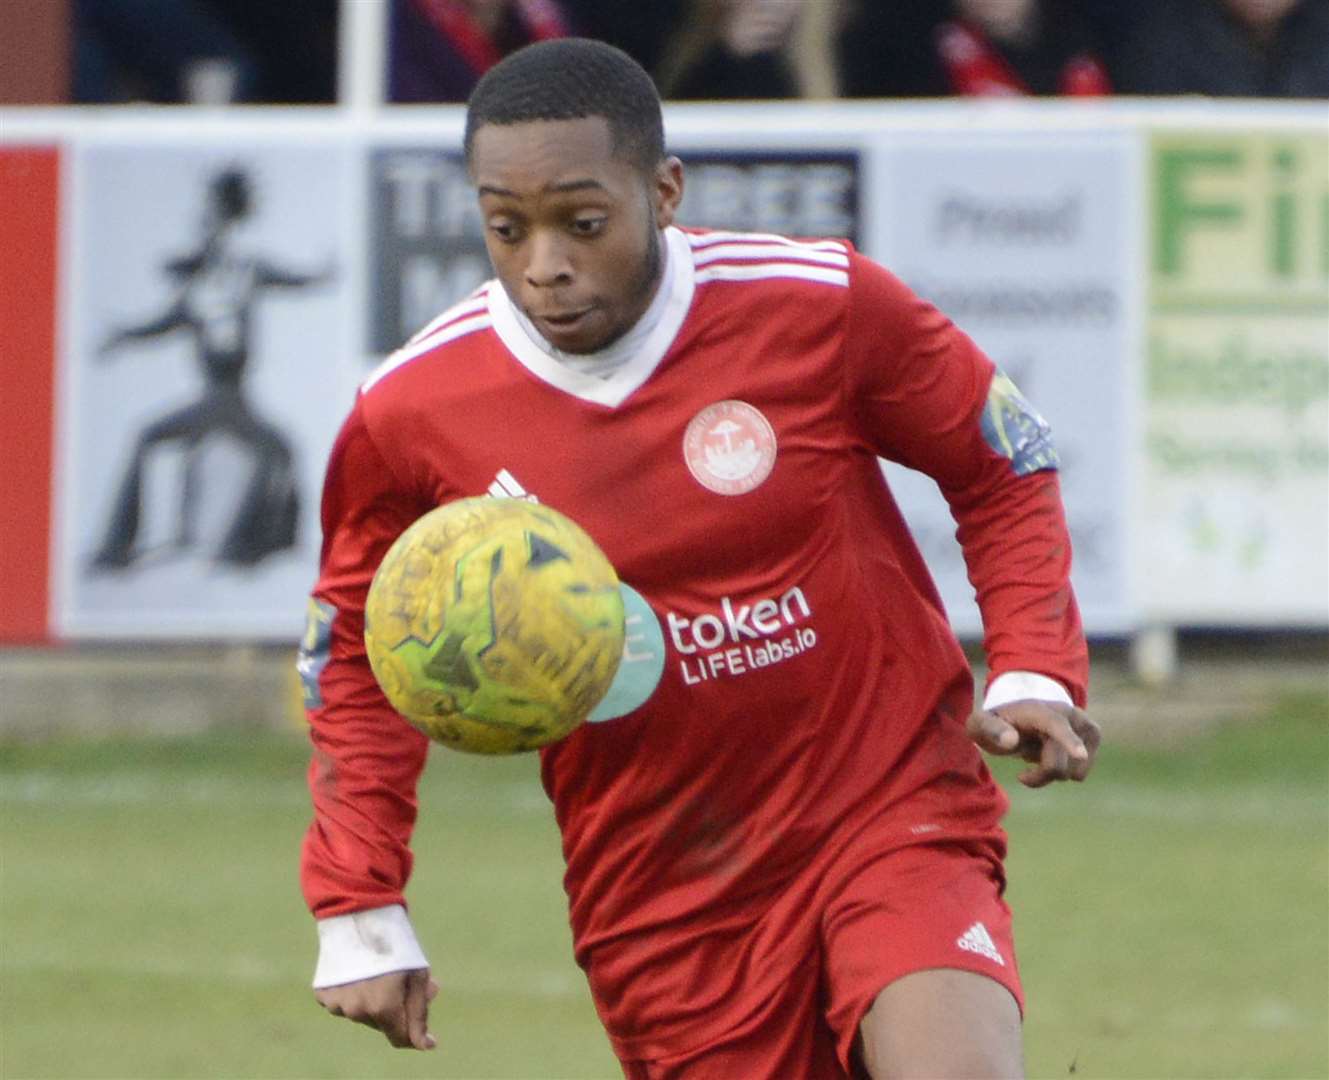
(784, 857)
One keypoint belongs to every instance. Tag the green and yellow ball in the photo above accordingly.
(494, 625)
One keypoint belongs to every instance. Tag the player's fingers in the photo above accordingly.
(1090, 733)
(992, 733)
(392, 1022)
(417, 1010)
(1091, 737)
(333, 1004)
(359, 1016)
(1054, 763)
(1078, 768)
(1055, 727)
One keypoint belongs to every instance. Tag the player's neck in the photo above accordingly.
(604, 362)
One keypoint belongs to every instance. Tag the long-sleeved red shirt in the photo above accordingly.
(791, 665)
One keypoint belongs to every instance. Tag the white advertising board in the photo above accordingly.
(203, 381)
(1232, 524)
(1019, 238)
(1154, 277)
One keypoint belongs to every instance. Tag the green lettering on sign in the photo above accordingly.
(1178, 212)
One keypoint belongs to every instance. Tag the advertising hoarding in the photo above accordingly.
(1233, 514)
(29, 234)
(1156, 286)
(202, 385)
(1019, 239)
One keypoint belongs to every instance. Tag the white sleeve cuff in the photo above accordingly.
(1024, 686)
(364, 944)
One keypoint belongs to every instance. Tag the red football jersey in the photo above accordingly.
(791, 662)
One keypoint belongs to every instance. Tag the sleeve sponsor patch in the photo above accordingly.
(1013, 428)
(315, 648)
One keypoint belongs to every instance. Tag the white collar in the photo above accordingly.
(610, 375)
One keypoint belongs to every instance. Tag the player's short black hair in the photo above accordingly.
(569, 79)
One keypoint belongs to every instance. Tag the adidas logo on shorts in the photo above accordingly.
(977, 940)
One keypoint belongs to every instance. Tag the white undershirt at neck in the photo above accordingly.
(603, 363)
(607, 377)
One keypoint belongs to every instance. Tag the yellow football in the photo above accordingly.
(494, 625)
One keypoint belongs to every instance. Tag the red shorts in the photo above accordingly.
(874, 916)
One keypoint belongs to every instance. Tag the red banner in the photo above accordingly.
(29, 195)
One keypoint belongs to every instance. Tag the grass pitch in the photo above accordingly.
(1171, 914)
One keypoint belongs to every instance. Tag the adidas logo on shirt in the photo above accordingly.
(506, 486)
(977, 940)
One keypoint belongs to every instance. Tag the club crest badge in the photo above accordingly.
(729, 448)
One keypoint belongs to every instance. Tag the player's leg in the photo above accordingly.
(920, 963)
(946, 1023)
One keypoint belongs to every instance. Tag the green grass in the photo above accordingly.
(1172, 914)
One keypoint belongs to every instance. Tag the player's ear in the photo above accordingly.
(667, 190)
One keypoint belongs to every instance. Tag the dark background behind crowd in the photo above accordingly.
(219, 51)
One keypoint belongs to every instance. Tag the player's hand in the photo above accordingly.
(396, 1004)
(1059, 741)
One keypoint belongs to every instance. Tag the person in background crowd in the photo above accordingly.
(641, 30)
(145, 50)
(212, 52)
(1230, 48)
(1111, 24)
(884, 50)
(440, 48)
(736, 49)
(296, 45)
(1017, 47)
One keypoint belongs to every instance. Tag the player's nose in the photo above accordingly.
(549, 261)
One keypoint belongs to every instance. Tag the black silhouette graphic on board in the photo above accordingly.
(215, 291)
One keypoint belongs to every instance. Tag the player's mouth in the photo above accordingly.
(563, 326)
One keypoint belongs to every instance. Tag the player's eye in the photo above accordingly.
(588, 226)
(505, 231)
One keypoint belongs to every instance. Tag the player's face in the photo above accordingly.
(572, 229)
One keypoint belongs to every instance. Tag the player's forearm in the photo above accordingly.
(356, 858)
(363, 773)
(1013, 533)
(366, 759)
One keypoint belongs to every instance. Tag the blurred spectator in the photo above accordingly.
(641, 30)
(150, 50)
(920, 48)
(294, 43)
(1244, 48)
(885, 50)
(440, 48)
(1111, 24)
(1017, 47)
(204, 51)
(742, 49)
